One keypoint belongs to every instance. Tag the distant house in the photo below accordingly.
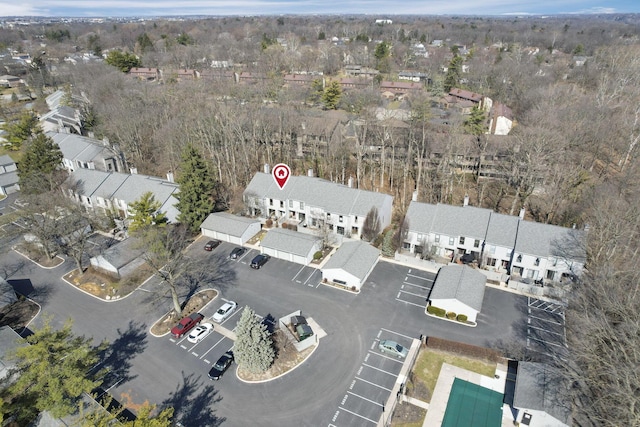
(384, 21)
(8, 175)
(230, 228)
(351, 264)
(316, 203)
(246, 77)
(360, 71)
(414, 76)
(142, 73)
(540, 399)
(355, 83)
(10, 81)
(299, 79)
(121, 259)
(400, 87)
(290, 245)
(501, 120)
(219, 75)
(459, 289)
(62, 118)
(187, 74)
(465, 95)
(80, 152)
(113, 192)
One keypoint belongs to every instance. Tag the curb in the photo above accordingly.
(315, 347)
(102, 299)
(40, 265)
(450, 320)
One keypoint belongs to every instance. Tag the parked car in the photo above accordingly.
(388, 346)
(200, 332)
(211, 245)
(221, 365)
(225, 311)
(186, 324)
(259, 261)
(237, 253)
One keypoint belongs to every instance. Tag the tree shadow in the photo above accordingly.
(217, 272)
(192, 403)
(25, 287)
(115, 360)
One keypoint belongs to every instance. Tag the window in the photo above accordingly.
(537, 262)
(550, 274)
(290, 203)
(491, 262)
(406, 246)
(301, 205)
(340, 230)
(452, 241)
(331, 227)
(419, 237)
(476, 243)
(270, 202)
(437, 238)
(356, 220)
(340, 218)
(328, 215)
(519, 258)
(492, 249)
(462, 240)
(281, 203)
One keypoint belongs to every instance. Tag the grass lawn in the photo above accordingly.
(429, 363)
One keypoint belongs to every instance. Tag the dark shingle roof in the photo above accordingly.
(462, 283)
(356, 257)
(539, 388)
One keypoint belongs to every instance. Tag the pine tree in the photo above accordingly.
(145, 212)
(382, 54)
(50, 373)
(40, 170)
(20, 130)
(122, 60)
(197, 185)
(388, 248)
(454, 71)
(475, 122)
(253, 349)
(331, 96)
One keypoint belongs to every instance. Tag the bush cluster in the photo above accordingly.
(451, 315)
(436, 311)
(462, 318)
(462, 348)
(317, 255)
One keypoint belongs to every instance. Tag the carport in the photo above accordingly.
(459, 289)
(230, 228)
(291, 245)
(351, 264)
(472, 405)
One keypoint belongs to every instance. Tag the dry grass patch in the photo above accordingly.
(105, 286)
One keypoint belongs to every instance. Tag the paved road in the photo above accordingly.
(168, 371)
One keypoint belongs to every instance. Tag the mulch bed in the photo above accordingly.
(195, 304)
(105, 286)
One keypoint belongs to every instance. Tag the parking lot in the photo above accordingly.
(545, 327)
(364, 400)
(415, 287)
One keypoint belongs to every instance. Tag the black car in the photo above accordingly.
(211, 245)
(221, 365)
(237, 253)
(259, 261)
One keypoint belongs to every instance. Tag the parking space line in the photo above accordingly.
(546, 330)
(547, 320)
(413, 293)
(373, 384)
(310, 276)
(381, 370)
(183, 346)
(388, 357)
(299, 271)
(364, 398)
(358, 415)
(397, 333)
(420, 277)
(212, 347)
(547, 342)
(412, 303)
(417, 286)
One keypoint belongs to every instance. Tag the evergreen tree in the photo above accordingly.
(317, 91)
(197, 185)
(145, 212)
(454, 71)
(20, 130)
(475, 122)
(331, 96)
(253, 349)
(122, 60)
(50, 373)
(39, 170)
(388, 249)
(144, 43)
(382, 54)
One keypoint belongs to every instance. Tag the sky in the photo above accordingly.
(380, 8)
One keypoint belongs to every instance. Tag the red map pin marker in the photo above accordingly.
(281, 174)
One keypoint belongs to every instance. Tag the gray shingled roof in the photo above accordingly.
(76, 147)
(224, 222)
(123, 253)
(502, 230)
(290, 241)
(467, 221)
(317, 192)
(539, 388)
(9, 178)
(550, 240)
(462, 283)
(355, 257)
(6, 159)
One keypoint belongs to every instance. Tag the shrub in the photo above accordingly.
(461, 318)
(451, 315)
(317, 255)
(436, 311)
(268, 222)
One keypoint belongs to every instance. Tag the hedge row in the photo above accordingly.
(462, 348)
(436, 311)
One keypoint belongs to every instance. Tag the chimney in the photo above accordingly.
(414, 196)
(266, 168)
(350, 182)
(170, 176)
(466, 200)
(310, 172)
(521, 215)
(134, 171)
